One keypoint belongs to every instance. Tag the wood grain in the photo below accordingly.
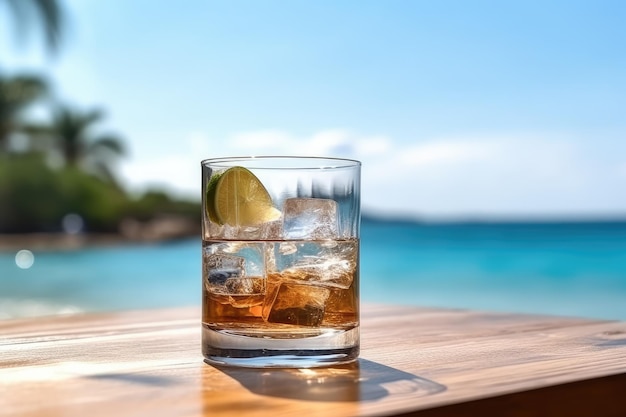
(414, 361)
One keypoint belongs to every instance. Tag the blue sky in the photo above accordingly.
(456, 108)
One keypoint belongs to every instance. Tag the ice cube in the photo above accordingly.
(264, 231)
(331, 263)
(245, 286)
(287, 248)
(234, 308)
(236, 269)
(309, 218)
(341, 308)
(241, 301)
(253, 254)
(297, 304)
(220, 268)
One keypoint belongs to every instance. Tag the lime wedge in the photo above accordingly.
(236, 197)
(210, 198)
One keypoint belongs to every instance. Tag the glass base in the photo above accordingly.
(329, 347)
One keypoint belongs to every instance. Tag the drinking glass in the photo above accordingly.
(280, 261)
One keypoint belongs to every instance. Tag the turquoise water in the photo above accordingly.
(576, 269)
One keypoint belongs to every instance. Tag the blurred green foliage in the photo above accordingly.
(155, 203)
(36, 198)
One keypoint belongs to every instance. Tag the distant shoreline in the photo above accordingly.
(161, 229)
(62, 241)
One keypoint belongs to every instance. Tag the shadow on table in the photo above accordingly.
(360, 381)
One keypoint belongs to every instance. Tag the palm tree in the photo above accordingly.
(16, 94)
(46, 12)
(72, 136)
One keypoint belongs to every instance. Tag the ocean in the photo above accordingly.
(571, 269)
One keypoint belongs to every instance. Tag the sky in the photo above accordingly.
(457, 109)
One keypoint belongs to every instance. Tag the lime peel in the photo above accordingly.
(238, 198)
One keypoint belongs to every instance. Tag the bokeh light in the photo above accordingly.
(24, 259)
(72, 223)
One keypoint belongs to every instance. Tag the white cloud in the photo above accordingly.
(496, 176)
(446, 153)
(375, 145)
(176, 171)
(505, 175)
(329, 142)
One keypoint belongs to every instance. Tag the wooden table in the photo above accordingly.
(414, 361)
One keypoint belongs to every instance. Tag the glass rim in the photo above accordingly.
(332, 162)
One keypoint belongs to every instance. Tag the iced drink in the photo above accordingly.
(280, 265)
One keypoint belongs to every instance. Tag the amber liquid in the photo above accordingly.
(280, 289)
